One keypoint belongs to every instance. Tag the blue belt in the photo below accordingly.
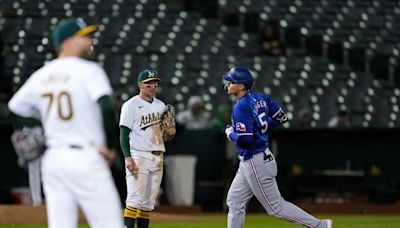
(247, 157)
(267, 156)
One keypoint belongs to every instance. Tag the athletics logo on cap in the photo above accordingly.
(148, 75)
(81, 23)
(71, 27)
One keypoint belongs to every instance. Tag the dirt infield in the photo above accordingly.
(17, 214)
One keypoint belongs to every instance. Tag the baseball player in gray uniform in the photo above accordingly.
(72, 98)
(252, 117)
(142, 137)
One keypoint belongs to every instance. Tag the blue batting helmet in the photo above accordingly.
(241, 75)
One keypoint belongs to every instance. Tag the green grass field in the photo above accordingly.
(259, 221)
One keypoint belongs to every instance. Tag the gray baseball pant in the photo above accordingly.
(256, 176)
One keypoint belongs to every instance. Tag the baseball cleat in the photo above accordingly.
(329, 223)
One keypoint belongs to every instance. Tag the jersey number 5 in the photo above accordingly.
(64, 104)
(263, 122)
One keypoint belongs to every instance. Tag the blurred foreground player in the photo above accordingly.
(72, 98)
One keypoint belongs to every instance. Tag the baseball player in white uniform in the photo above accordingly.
(141, 139)
(72, 98)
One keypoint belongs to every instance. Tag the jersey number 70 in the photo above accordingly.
(64, 113)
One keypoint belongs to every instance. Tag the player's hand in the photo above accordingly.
(228, 131)
(108, 154)
(131, 166)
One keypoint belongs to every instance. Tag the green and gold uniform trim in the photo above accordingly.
(143, 214)
(87, 30)
(151, 79)
(135, 213)
(130, 212)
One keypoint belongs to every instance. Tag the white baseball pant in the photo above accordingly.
(75, 178)
(143, 189)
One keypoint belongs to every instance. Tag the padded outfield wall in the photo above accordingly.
(315, 165)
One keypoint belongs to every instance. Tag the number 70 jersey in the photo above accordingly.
(63, 94)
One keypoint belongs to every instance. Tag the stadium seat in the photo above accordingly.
(336, 50)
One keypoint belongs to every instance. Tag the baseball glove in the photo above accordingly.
(168, 123)
(168, 117)
(29, 144)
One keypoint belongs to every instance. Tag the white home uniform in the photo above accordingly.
(143, 118)
(64, 94)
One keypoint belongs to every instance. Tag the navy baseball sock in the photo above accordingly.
(143, 223)
(129, 222)
(130, 215)
(143, 219)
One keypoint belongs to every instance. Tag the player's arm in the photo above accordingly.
(126, 120)
(277, 119)
(240, 137)
(20, 110)
(243, 131)
(99, 90)
(125, 125)
(124, 140)
(109, 120)
(276, 115)
(18, 121)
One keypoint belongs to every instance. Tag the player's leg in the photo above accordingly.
(239, 195)
(143, 218)
(137, 189)
(130, 215)
(130, 212)
(62, 210)
(134, 189)
(100, 201)
(260, 173)
(153, 187)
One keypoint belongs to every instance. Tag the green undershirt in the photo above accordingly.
(20, 121)
(109, 120)
(124, 140)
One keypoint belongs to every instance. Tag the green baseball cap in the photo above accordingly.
(71, 27)
(148, 75)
